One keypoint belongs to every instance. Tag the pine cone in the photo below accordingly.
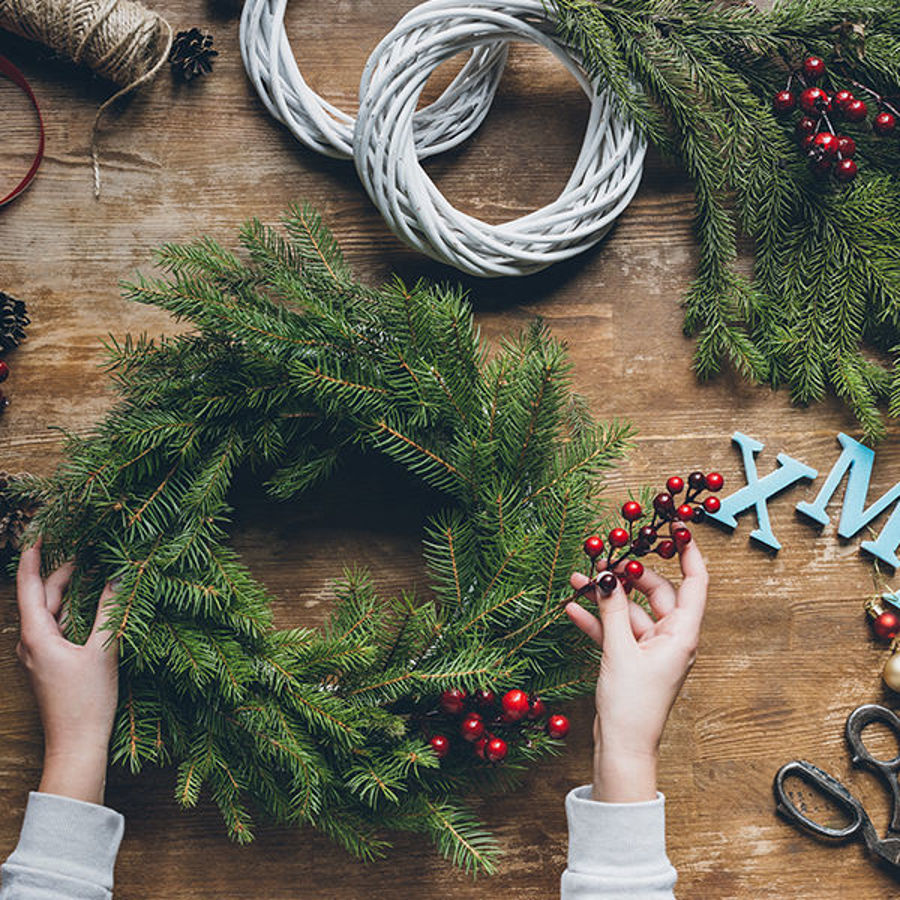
(14, 520)
(12, 322)
(192, 54)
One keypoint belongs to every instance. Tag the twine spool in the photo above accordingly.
(120, 40)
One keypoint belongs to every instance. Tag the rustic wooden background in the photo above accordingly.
(786, 653)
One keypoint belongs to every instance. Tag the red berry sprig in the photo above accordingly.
(828, 151)
(624, 568)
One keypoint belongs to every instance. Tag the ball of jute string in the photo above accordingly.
(120, 40)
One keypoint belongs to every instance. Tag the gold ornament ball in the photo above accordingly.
(891, 672)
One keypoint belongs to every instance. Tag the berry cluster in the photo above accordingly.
(479, 716)
(648, 540)
(828, 151)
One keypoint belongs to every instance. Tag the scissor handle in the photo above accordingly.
(887, 768)
(829, 786)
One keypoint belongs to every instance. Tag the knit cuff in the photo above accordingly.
(70, 838)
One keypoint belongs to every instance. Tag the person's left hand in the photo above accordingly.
(76, 686)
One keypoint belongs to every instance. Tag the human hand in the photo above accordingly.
(76, 686)
(643, 667)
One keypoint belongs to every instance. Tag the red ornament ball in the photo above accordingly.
(784, 102)
(633, 569)
(685, 512)
(886, 625)
(846, 146)
(884, 124)
(675, 485)
(712, 504)
(825, 144)
(453, 701)
(496, 750)
(538, 709)
(714, 481)
(593, 546)
(515, 704)
(813, 101)
(631, 511)
(805, 126)
(855, 111)
(440, 745)
(4, 370)
(607, 583)
(484, 698)
(472, 727)
(841, 99)
(663, 503)
(846, 170)
(682, 538)
(557, 726)
(813, 67)
(618, 537)
(666, 549)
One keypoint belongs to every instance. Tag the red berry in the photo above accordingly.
(453, 701)
(807, 142)
(472, 727)
(784, 102)
(842, 98)
(607, 583)
(633, 569)
(685, 512)
(699, 514)
(714, 481)
(484, 698)
(631, 511)
(855, 111)
(557, 726)
(515, 704)
(825, 144)
(682, 538)
(4, 370)
(845, 170)
(440, 745)
(663, 503)
(813, 101)
(666, 549)
(884, 124)
(479, 746)
(538, 709)
(647, 534)
(886, 625)
(813, 67)
(496, 750)
(805, 126)
(593, 546)
(675, 485)
(618, 537)
(846, 146)
(712, 504)
(820, 165)
(697, 481)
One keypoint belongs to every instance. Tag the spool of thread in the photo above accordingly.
(120, 40)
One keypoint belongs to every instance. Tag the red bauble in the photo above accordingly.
(813, 67)
(846, 146)
(472, 727)
(805, 126)
(453, 701)
(712, 504)
(825, 144)
(647, 534)
(515, 704)
(663, 503)
(631, 511)
(440, 745)
(845, 170)
(855, 111)
(538, 709)
(618, 537)
(685, 512)
(633, 569)
(607, 583)
(496, 750)
(682, 538)
(557, 726)
(4, 370)
(841, 99)
(666, 549)
(484, 698)
(714, 481)
(593, 546)
(784, 102)
(884, 124)
(813, 101)
(886, 625)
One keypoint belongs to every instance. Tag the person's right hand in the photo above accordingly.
(643, 667)
(76, 686)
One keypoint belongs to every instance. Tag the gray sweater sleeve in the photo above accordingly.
(616, 850)
(66, 851)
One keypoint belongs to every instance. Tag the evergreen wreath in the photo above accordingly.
(822, 310)
(292, 368)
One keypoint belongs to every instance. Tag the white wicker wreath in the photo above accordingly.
(389, 137)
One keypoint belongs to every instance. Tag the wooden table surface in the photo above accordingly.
(786, 652)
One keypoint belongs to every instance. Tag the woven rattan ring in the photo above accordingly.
(389, 138)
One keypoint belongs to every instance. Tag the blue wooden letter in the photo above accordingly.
(758, 490)
(856, 461)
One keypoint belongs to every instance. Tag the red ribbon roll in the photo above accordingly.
(17, 78)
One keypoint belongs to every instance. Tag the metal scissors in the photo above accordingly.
(886, 849)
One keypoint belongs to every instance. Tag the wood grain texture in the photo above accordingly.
(785, 654)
